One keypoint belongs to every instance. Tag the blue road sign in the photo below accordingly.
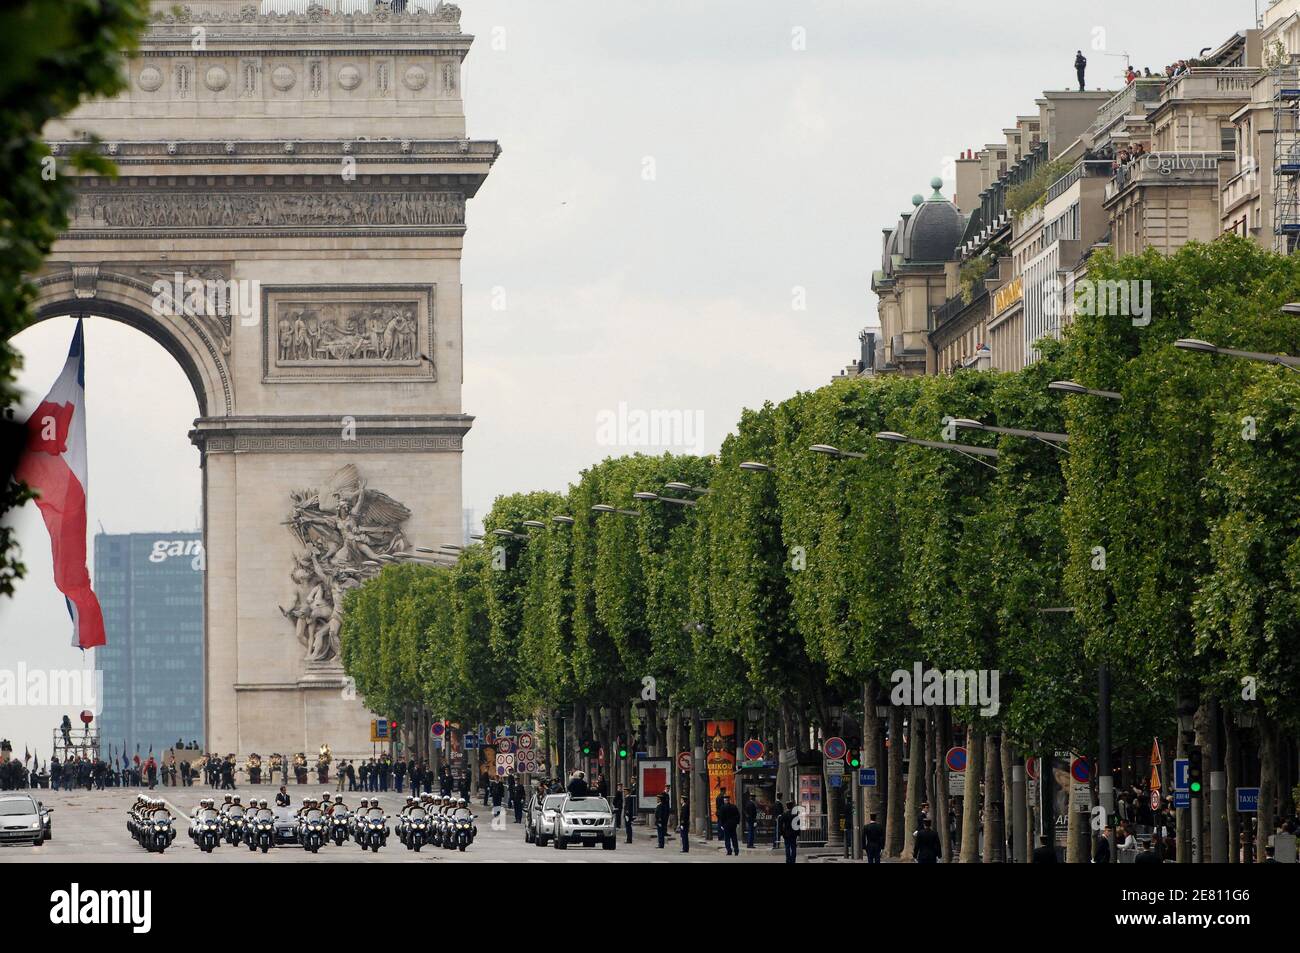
(471, 741)
(837, 780)
(1180, 774)
(1247, 800)
(867, 777)
(1182, 799)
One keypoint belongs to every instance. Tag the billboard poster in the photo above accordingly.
(456, 762)
(720, 760)
(653, 776)
(810, 793)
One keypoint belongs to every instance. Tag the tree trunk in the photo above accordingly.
(1230, 747)
(915, 781)
(942, 742)
(970, 808)
(1267, 785)
(895, 814)
(994, 830)
(872, 749)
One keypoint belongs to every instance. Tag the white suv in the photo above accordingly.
(585, 820)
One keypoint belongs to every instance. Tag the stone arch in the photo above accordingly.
(199, 344)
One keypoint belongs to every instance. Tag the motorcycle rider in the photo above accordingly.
(158, 811)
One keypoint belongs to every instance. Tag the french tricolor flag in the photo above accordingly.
(53, 465)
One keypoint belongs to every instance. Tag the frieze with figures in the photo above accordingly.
(269, 210)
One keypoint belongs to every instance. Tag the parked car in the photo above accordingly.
(587, 821)
(539, 824)
(23, 819)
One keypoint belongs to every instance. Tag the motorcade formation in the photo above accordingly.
(429, 820)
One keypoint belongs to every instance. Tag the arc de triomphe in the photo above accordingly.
(288, 223)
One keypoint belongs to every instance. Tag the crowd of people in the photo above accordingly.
(1131, 74)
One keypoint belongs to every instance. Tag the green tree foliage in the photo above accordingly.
(1136, 471)
(53, 55)
(1248, 610)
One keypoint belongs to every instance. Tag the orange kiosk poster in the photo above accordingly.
(720, 760)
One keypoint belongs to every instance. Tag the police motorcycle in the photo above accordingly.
(205, 827)
(461, 828)
(371, 826)
(437, 820)
(134, 816)
(158, 831)
(233, 819)
(413, 825)
(313, 827)
(259, 827)
(340, 822)
(151, 824)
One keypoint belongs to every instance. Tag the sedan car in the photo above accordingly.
(585, 821)
(286, 826)
(23, 820)
(539, 825)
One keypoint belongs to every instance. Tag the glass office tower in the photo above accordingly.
(150, 586)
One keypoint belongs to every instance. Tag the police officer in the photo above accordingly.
(662, 811)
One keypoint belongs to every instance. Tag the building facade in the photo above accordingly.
(150, 586)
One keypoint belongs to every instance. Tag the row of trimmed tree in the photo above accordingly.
(1162, 542)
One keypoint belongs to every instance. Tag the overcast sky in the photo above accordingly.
(774, 169)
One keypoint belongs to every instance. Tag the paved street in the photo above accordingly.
(90, 826)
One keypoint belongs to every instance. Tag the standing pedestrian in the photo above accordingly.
(629, 811)
(751, 819)
(1080, 65)
(926, 847)
(728, 822)
(873, 840)
(788, 830)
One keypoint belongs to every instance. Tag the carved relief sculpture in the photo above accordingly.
(344, 527)
(346, 332)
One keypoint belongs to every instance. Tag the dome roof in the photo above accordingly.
(935, 231)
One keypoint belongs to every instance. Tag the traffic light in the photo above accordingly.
(622, 750)
(854, 757)
(392, 728)
(588, 748)
(1194, 771)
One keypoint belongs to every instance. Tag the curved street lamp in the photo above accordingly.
(1070, 387)
(606, 508)
(678, 487)
(1205, 347)
(1042, 436)
(966, 450)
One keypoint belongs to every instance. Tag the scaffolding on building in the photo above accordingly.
(1286, 157)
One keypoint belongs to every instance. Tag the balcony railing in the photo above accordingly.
(1212, 82)
(1145, 89)
(1169, 168)
(1082, 168)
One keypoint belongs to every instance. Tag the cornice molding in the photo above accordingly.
(324, 433)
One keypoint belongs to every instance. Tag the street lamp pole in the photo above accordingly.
(1105, 779)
